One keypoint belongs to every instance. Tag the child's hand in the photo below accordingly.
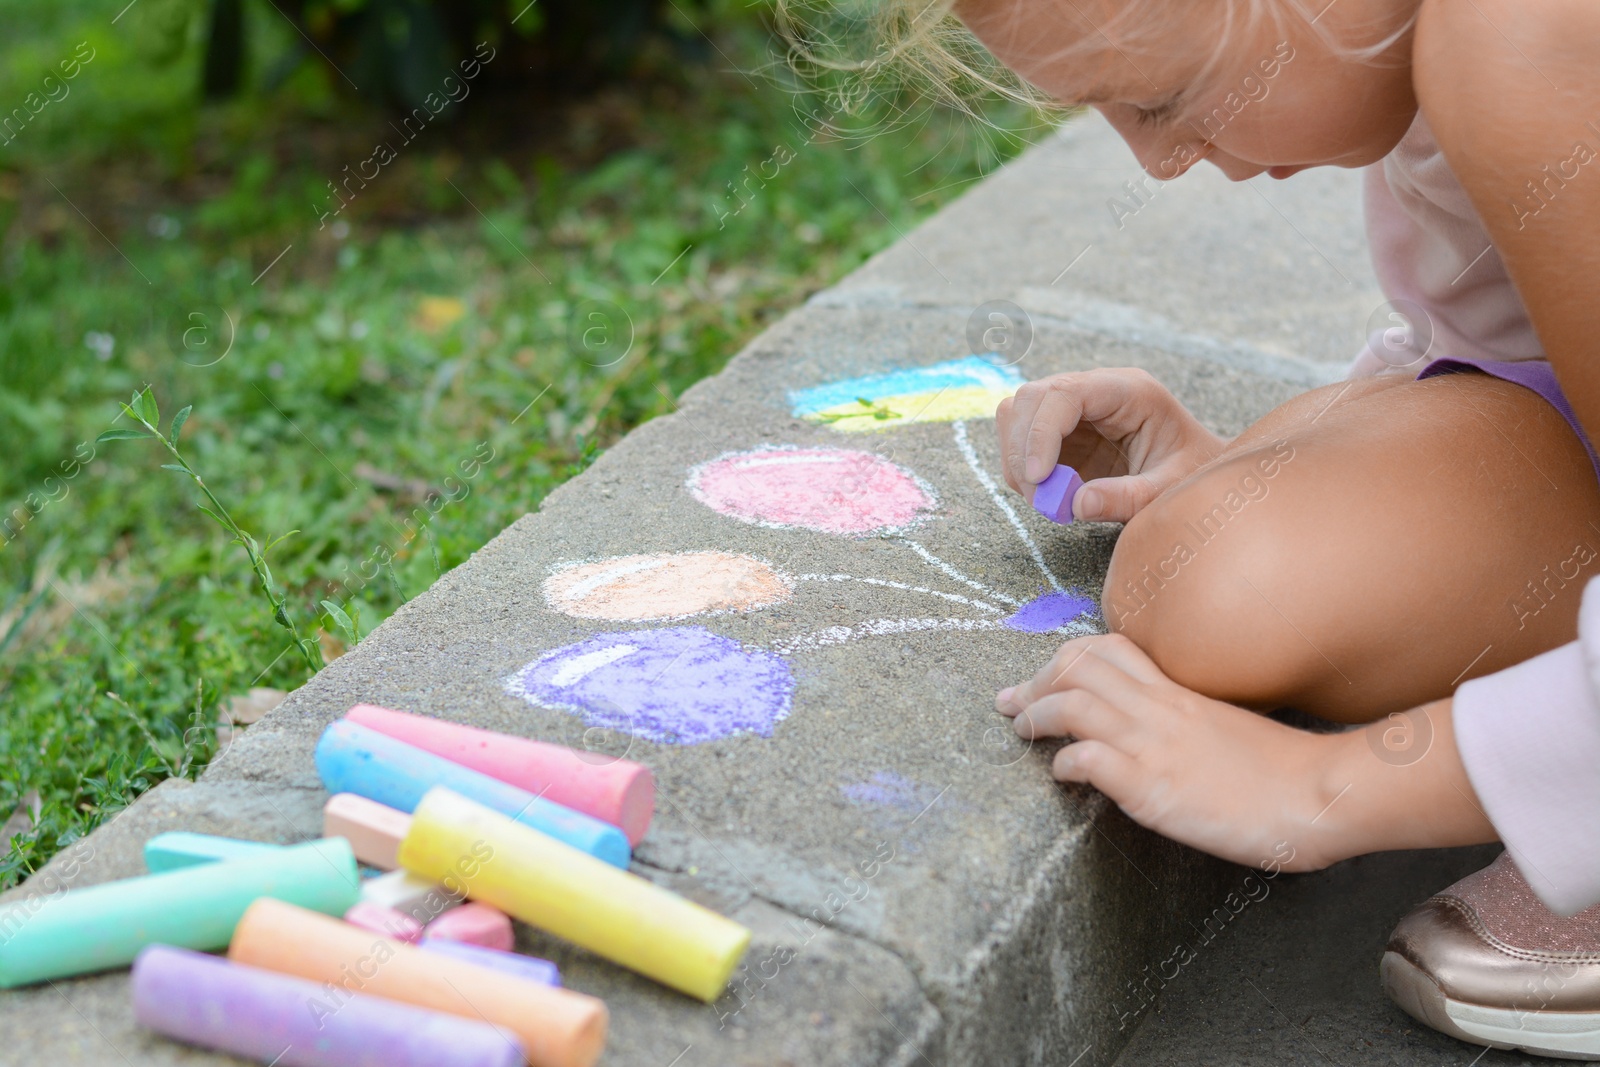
(1237, 785)
(1121, 430)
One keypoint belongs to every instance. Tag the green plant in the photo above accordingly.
(143, 410)
(406, 49)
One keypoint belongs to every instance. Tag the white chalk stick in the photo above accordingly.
(410, 895)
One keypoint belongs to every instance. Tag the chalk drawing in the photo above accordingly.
(890, 790)
(885, 583)
(681, 685)
(951, 572)
(1054, 612)
(838, 635)
(829, 490)
(662, 586)
(686, 685)
(969, 388)
(971, 456)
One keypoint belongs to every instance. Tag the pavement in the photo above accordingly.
(1293, 979)
(830, 769)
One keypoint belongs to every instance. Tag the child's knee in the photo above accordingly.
(1194, 581)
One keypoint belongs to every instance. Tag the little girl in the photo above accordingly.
(1431, 522)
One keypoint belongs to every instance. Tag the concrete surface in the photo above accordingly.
(1007, 913)
(1294, 978)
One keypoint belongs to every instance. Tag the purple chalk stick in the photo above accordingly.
(530, 967)
(1053, 498)
(272, 1018)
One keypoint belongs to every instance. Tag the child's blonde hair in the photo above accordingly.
(922, 44)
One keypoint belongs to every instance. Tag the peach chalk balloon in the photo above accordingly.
(618, 791)
(665, 586)
(557, 1027)
(373, 830)
(473, 924)
(546, 883)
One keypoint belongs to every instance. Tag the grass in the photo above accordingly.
(374, 396)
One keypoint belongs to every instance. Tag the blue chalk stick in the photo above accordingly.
(172, 851)
(354, 759)
(530, 967)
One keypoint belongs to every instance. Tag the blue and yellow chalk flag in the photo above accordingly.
(967, 388)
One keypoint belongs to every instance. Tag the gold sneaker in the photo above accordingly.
(1486, 962)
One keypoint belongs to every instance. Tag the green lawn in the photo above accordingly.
(513, 291)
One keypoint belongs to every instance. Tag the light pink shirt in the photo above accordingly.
(1530, 735)
(1432, 253)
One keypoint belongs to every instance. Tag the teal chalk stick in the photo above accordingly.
(197, 907)
(176, 850)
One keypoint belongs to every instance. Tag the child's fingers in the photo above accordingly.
(1113, 499)
(1082, 662)
(1058, 413)
(1076, 712)
(1109, 665)
(1004, 418)
(1103, 766)
(1055, 675)
(1024, 431)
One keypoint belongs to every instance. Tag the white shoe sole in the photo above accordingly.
(1567, 1035)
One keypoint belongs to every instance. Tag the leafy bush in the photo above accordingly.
(403, 50)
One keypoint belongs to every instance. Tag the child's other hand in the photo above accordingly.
(1208, 774)
(1120, 429)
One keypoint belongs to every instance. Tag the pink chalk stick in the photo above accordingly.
(617, 791)
(374, 831)
(385, 921)
(472, 924)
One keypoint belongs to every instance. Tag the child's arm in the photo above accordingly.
(1122, 430)
(1512, 93)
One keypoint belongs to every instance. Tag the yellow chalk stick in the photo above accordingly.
(558, 888)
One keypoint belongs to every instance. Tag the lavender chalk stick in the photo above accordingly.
(272, 1018)
(514, 963)
(1053, 498)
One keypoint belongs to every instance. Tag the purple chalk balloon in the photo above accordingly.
(530, 967)
(1053, 498)
(272, 1018)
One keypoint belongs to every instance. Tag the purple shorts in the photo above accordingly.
(1534, 374)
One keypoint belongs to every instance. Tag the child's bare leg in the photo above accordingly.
(1364, 548)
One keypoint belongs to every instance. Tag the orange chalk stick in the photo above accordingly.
(558, 1028)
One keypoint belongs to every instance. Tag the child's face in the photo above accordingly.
(1277, 99)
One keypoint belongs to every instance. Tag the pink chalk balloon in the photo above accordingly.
(830, 490)
(386, 921)
(618, 791)
(473, 924)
